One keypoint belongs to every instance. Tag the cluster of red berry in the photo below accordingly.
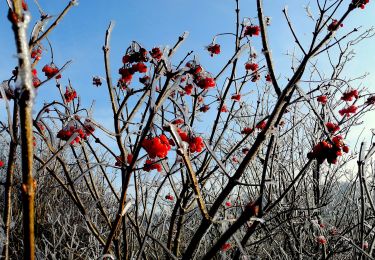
(65, 134)
(139, 67)
(135, 56)
(224, 109)
(83, 132)
(201, 78)
(348, 96)
(50, 71)
(205, 82)
(195, 143)
(226, 247)
(36, 80)
(268, 78)
(332, 127)
(157, 146)
(247, 130)
(156, 53)
(327, 150)
(70, 94)
(213, 49)
(251, 66)
(252, 30)
(331, 150)
(96, 81)
(348, 110)
(178, 121)
(261, 125)
(169, 197)
(322, 99)
(188, 89)
(133, 62)
(236, 97)
(127, 73)
(321, 240)
(36, 53)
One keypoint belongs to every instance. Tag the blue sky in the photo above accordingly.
(80, 37)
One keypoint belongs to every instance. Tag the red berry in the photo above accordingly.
(332, 127)
(169, 197)
(188, 89)
(247, 130)
(213, 49)
(96, 81)
(251, 66)
(261, 125)
(70, 94)
(206, 83)
(139, 67)
(157, 146)
(156, 53)
(321, 240)
(196, 144)
(252, 30)
(226, 247)
(322, 99)
(51, 71)
(348, 96)
(268, 78)
(204, 108)
(126, 75)
(178, 121)
(236, 97)
(224, 109)
(347, 111)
